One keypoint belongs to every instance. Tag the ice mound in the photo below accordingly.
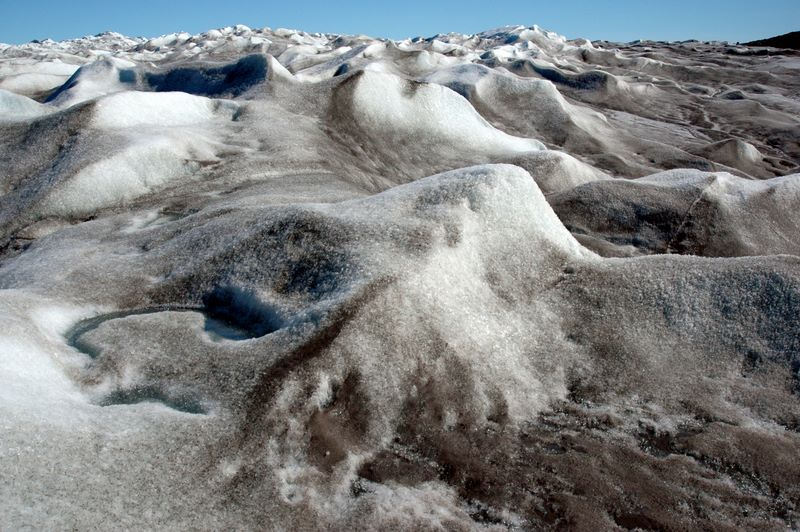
(257, 278)
(735, 153)
(402, 128)
(15, 107)
(143, 167)
(32, 77)
(424, 114)
(110, 74)
(103, 76)
(556, 171)
(533, 107)
(140, 143)
(685, 212)
(137, 109)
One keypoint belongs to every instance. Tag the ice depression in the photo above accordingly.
(267, 279)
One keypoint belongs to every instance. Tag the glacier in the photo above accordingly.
(270, 279)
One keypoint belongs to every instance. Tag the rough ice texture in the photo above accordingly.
(266, 279)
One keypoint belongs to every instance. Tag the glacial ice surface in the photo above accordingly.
(269, 279)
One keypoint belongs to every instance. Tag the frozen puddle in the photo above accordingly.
(217, 328)
(230, 314)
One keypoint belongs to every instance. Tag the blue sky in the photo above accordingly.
(622, 20)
